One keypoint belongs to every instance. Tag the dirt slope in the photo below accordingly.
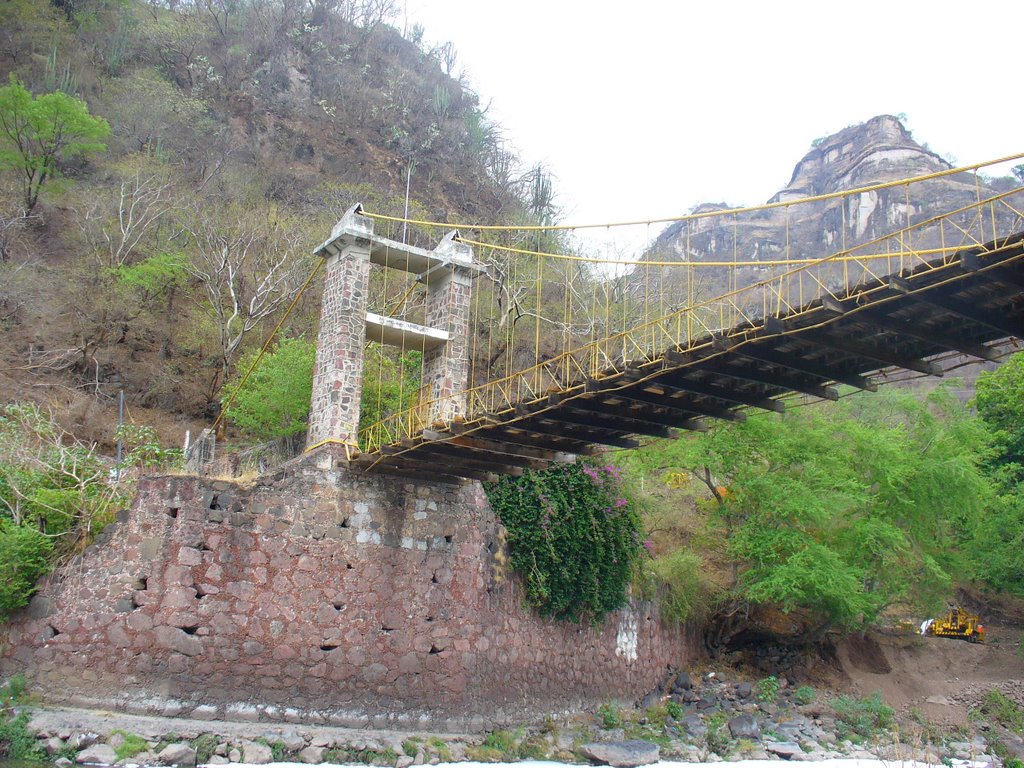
(942, 678)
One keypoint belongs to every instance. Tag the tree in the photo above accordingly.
(248, 264)
(999, 398)
(274, 401)
(37, 133)
(998, 542)
(838, 511)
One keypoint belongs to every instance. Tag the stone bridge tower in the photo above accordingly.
(346, 324)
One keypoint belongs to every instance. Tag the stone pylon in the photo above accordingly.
(338, 373)
(346, 324)
(446, 366)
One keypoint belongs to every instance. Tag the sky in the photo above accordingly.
(644, 109)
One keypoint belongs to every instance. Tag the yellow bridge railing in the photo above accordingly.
(546, 318)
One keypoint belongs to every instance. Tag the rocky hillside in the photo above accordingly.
(878, 150)
(242, 129)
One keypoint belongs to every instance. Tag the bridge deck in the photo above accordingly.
(960, 305)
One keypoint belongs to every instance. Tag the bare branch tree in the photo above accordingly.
(117, 230)
(248, 267)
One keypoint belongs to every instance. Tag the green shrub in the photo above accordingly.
(767, 688)
(572, 536)
(204, 744)
(24, 557)
(803, 695)
(858, 719)
(14, 690)
(411, 746)
(440, 748)
(609, 716)
(686, 592)
(17, 742)
(718, 738)
(675, 709)
(997, 706)
(132, 745)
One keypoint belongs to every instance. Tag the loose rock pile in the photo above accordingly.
(695, 718)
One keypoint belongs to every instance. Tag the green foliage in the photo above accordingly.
(609, 715)
(154, 276)
(13, 690)
(999, 398)
(274, 401)
(55, 494)
(502, 741)
(767, 688)
(411, 746)
(391, 384)
(440, 748)
(278, 750)
(142, 447)
(859, 719)
(1003, 710)
(686, 593)
(998, 541)
(205, 744)
(718, 737)
(132, 745)
(572, 536)
(837, 510)
(37, 133)
(24, 558)
(17, 742)
(674, 709)
(803, 695)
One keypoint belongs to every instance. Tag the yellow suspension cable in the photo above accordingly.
(645, 263)
(705, 214)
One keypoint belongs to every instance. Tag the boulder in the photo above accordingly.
(312, 755)
(694, 726)
(97, 754)
(180, 753)
(63, 762)
(708, 700)
(255, 753)
(622, 754)
(293, 742)
(744, 689)
(787, 750)
(683, 683)
(745, 727)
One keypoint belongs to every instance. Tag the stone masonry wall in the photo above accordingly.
(323, 596)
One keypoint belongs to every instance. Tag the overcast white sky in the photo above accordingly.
(643, 109)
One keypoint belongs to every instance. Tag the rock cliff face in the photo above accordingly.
(880, 150)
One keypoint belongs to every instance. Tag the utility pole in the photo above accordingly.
(120, 423)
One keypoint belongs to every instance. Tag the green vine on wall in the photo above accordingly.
(573, 536)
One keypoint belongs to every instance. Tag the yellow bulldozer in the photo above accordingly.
(956, 623)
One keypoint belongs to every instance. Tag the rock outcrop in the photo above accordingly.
(878, 151)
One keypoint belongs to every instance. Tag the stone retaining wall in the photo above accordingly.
(324, 596)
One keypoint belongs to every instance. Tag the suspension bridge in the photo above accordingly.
(556, 353)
